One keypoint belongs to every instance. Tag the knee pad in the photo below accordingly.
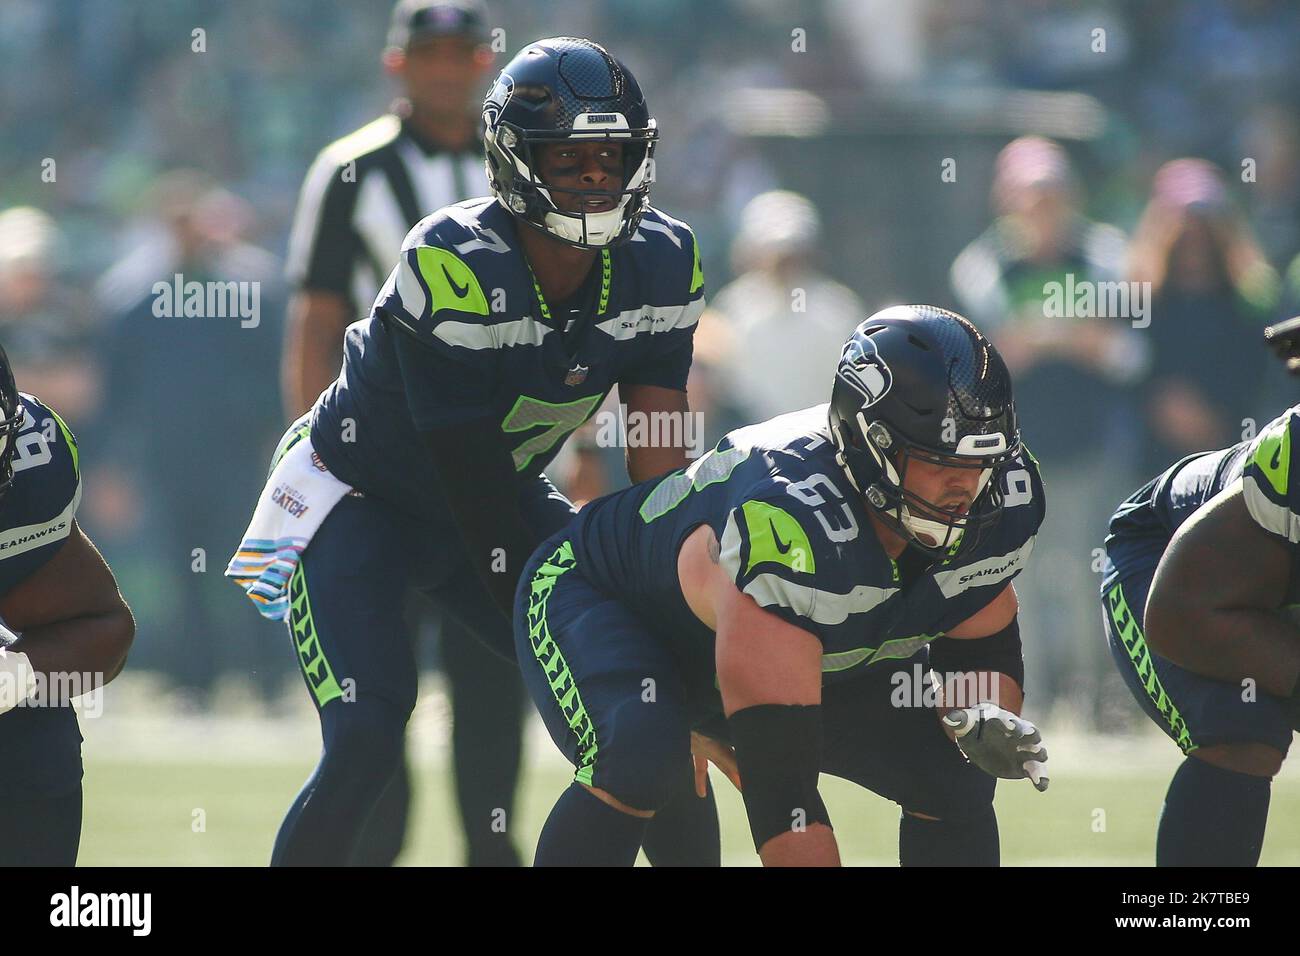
(962, 796)
(647, 761)
(970, 839)
(367, 740)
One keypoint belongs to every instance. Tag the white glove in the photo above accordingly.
(999, 742)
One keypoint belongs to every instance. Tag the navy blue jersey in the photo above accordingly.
(459, 333)
(37, 511)
(40, 747)
(796, 538)
(1262, 464)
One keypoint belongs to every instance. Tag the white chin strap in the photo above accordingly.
(601, 227)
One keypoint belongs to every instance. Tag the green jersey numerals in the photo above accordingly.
(562, 418)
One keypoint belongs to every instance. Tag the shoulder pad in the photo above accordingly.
(1272, 498)
(447, 277)
(672, 247)
(39, 506)
(1024, 497)
(800, 551)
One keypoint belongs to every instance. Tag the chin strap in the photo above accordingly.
(588, 228)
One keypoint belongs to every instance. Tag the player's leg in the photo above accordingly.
(382, 837)
(610, 698)
(40, 830)
(685, 832)
(345, 621)
(487, 697)
(880, 735)
(1216, 808)
(487, 707)
(384, 834)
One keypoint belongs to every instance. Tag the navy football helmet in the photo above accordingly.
(916, 382)
(559, 89)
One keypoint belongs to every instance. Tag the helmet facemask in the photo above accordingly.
(922, 523)
(520, 187)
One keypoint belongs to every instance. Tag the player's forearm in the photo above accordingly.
(646, 463)
(1229, 644)
(661, 449)
(93, 644)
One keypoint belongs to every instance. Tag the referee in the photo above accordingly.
(365, 191)
(360, 198)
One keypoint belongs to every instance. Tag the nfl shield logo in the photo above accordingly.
(576, 375)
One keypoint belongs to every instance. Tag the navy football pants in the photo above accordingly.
(586, 660)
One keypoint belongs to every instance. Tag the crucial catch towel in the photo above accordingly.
(299, 493)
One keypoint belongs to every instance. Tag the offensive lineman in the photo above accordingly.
(886, 526)
(64, 631)
(1198, 596)
(505, 323)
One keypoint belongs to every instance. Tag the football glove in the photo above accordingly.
(999, 742)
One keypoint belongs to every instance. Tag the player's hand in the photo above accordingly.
(705, 751)
(999, 742)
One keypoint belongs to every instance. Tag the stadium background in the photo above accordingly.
(859, 105)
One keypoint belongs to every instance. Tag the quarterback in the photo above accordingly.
(505, 323)
(780, 582)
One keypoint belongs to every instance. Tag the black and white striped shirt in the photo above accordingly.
(362, 195)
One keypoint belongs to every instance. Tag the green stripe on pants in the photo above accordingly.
(306, 642)
(1135, 642)
(553, 663)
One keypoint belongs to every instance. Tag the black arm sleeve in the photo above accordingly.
(481, 489)
(779, 755)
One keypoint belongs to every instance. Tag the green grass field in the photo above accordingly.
(163, 789)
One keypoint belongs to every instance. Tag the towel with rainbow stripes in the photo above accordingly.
(299, 493)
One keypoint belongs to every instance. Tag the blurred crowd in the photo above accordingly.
(142, 141)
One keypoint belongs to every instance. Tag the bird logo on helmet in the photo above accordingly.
(565, 89)
(920, 383)
(862, 369)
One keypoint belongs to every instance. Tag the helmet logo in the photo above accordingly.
(862, 368)
(497, 99)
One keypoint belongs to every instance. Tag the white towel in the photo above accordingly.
(299, 493)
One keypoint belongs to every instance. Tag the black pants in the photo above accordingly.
(40, 831)
(349, 631)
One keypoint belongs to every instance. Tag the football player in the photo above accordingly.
(786, 580)
(1198, 595)
(504, 325)
(64, 631)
